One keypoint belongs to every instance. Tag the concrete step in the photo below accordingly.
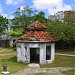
(33, 65)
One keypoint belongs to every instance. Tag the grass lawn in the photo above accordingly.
(41, 74)
(13, 65)
(61, 61)
(65, 51)
(8, 51)
(70, 72)
(1, 48)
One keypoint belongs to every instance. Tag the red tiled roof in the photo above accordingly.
(38, 35)
(36, 26)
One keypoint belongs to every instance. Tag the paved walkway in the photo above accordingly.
(6, 54)
(65, 54)
(2, 50)
(53, 71)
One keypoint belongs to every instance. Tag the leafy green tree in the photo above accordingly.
(40, 17)
(15, 33)
(3, 24)
(62, 30)
(25, 17)
(22, 18)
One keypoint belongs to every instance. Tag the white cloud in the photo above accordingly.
(51, 5)
(4, 15)
(11, 17)
(1, 8)
(59, 8)
(13, 2)
(22, 7)
(7, 16)
(45, 4)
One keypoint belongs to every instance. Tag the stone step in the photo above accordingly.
(33, 65)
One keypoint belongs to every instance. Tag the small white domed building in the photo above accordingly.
(36, 45)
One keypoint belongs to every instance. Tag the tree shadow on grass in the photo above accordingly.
(12, 59)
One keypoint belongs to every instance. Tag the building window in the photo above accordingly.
(48, 52)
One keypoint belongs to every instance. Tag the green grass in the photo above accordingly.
(12, 65)
(61, 61)
(41, 74)
(1, 48)
(8, 51)
(65, 51)
(70, 72)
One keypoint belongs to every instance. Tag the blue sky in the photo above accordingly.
(7, 7)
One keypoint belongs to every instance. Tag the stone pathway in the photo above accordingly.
(2, 50)
(6, 54)
(65, 54)
(33, 65)
(53, 71)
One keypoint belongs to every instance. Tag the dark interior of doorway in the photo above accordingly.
(34, 55)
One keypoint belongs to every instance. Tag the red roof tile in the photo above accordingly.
(36, 33)
(36, 26)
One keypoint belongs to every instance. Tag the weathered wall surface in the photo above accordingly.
(23, 52)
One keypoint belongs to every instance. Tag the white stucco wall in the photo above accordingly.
(23, 52)
(33, 45)
(42, 53)
(52, 52)
(18, 46)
